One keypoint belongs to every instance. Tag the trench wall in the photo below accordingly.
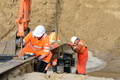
(18, 71)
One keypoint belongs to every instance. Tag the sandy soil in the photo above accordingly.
(39, 76)
(94, 21)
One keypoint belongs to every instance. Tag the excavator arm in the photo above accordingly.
(23, 22)
(23, 17)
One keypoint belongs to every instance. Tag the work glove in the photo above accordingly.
(71, 44)
(36, 60)
(18, 44)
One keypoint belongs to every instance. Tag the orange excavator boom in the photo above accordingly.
(24, 17)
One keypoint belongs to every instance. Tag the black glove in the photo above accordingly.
(36, 60)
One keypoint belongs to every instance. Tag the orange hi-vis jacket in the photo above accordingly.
(36, 46)
(52, 37)
(82, 57)
(80, 47)
(42, 44)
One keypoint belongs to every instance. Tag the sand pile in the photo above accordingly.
(54, 76)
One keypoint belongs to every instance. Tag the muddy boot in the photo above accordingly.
(81, 74)
(54, 67)
(45, 71)
(76, 71)
(35, 67)
(42, 67)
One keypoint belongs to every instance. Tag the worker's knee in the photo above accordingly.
(48, 58)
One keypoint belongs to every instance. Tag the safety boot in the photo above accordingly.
(42, 67)
(45, 71)
(78, 73)
(54, 67)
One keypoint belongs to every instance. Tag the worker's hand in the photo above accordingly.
(36, 60)
(71, 44)
(18, 44)
(21, 43)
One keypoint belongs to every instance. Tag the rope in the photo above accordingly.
(56, 20)
(56, 27)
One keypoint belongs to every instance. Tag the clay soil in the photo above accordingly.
(97, 22)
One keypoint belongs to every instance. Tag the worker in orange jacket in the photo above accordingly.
(52, 39)
(82, 54)
(38, 42)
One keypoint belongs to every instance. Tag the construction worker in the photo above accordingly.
(79, 47)
(52, 39)
(38, 42)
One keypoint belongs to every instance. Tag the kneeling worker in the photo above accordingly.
(82, 54)
(38, 42)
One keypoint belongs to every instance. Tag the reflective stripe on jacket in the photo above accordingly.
(52, 37)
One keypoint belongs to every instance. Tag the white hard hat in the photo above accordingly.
(39, 31)
(73, 39)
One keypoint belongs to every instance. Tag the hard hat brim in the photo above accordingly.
(73, 39)
(34, 34)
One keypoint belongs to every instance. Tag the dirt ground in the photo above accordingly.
(94, 21)
(54, 76)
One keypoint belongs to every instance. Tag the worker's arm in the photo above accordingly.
(36, 60)
(73, 46)
(23, 43)
(42, 56)
(79, 48)
(27, 38)
(46, 50)
(46, 46)
(82, 49)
